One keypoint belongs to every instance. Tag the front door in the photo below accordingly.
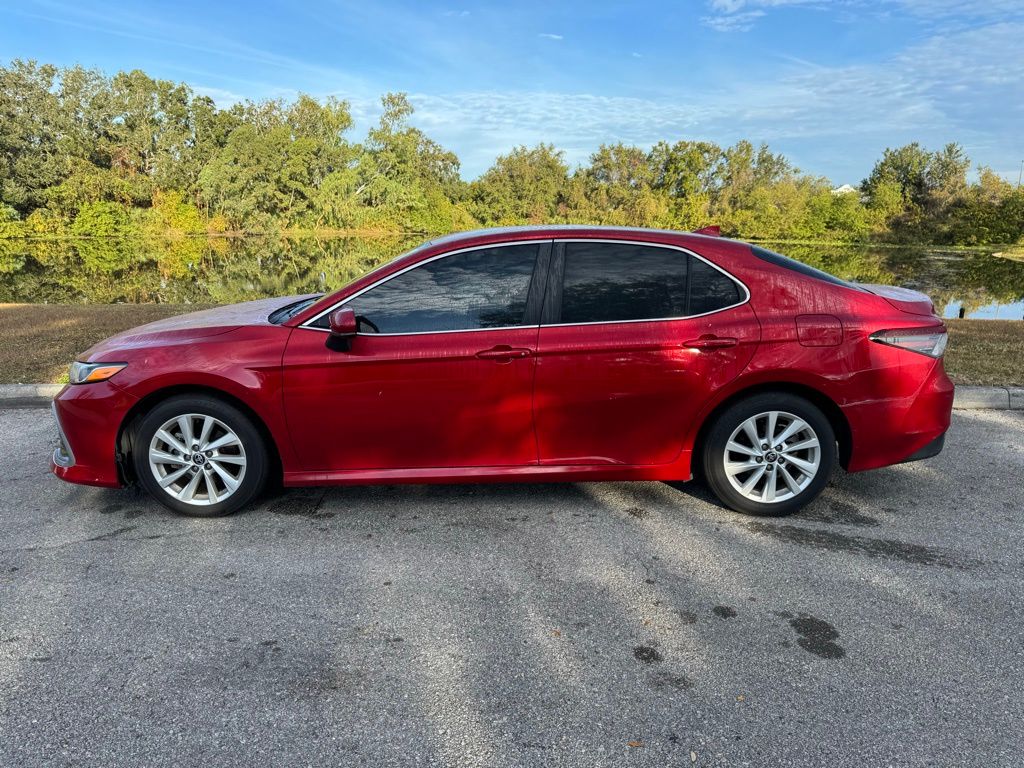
(439, 375)
(634, 340)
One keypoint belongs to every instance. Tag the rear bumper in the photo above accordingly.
(88, 418)
(934, 448)
(892, 430)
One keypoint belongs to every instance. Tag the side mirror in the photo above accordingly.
(343, 323)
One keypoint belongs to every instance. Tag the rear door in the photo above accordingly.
(634, 339)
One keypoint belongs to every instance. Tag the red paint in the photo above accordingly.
(550, 403)
(819, 330)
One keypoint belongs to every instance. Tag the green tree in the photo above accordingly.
(524, 186)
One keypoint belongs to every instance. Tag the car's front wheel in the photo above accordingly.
(199, 456)
(769, 455)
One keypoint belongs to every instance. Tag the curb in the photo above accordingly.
(967, 398)
(28, 395)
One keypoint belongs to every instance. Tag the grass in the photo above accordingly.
(988, 352)
(40, 340)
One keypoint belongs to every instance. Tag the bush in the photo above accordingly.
(102, 220)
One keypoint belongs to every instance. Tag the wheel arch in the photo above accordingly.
(130, 423)
(837, 419)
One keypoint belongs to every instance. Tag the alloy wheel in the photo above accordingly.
(772, 457)
(197, 459)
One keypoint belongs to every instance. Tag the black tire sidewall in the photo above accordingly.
(713, 464)
(253, 442)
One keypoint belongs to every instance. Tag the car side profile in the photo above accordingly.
(524, 354)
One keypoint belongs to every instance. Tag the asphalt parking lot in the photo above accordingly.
(556, 625)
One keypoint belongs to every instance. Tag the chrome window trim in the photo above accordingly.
(655, 319)
(553, 241)
(383, 280)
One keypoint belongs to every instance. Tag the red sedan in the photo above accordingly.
(527, 354)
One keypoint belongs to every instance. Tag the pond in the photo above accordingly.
(223, 270)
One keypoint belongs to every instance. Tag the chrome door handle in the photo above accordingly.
(711, 342)
(503, 353)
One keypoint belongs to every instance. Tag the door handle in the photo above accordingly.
(711, 342)
(503, 353)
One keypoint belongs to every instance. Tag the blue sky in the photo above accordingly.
(828, 83)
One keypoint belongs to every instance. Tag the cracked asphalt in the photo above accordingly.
(533, 625)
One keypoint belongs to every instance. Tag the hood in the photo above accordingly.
(903, 299)
(194, 325)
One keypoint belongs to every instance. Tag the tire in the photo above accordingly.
(731, 462)
(228, 471)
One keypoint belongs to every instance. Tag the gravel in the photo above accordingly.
(557, 625)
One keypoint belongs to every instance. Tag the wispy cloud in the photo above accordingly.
(152, 29)
(740, 15)
(957, 86)
(732, 22)
(222, 97)
(550, 36)
(456, 14)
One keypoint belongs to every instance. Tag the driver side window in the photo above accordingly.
(483, 288)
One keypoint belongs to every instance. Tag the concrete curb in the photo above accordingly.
(28, 395)
(970, 398)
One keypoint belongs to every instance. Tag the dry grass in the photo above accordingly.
(41, 339)
(989, 352)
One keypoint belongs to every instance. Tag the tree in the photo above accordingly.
(30, 129)
(270, 169)
(524, 186)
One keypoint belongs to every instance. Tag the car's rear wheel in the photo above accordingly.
(769, 455)
(200, 456)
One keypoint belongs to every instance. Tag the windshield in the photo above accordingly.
(289, 311)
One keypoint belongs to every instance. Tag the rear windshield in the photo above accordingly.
(798, 266)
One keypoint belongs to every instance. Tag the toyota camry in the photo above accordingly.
(527, 354)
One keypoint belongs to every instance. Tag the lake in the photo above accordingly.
(223, 270)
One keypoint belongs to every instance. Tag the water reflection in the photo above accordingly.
(198, 270)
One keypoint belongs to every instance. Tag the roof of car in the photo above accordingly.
(557, 230)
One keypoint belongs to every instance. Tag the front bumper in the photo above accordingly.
(63, 456)
(89, 418)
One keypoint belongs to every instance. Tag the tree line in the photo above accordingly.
(88, 155)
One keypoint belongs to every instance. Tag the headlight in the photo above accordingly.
(86, 373)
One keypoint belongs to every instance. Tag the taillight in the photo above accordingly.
(926, 341)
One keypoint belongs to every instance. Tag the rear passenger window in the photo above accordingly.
(613, 282)
(607, 282)
(710, 289)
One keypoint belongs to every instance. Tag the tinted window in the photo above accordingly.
(605, 282)
(485, 288)
(798, 266)
(710, 289)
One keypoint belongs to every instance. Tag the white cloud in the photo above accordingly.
(550, 36)
(740, 15)
(736, 22)
(957, 86)
(975, 9)
(221, 97)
